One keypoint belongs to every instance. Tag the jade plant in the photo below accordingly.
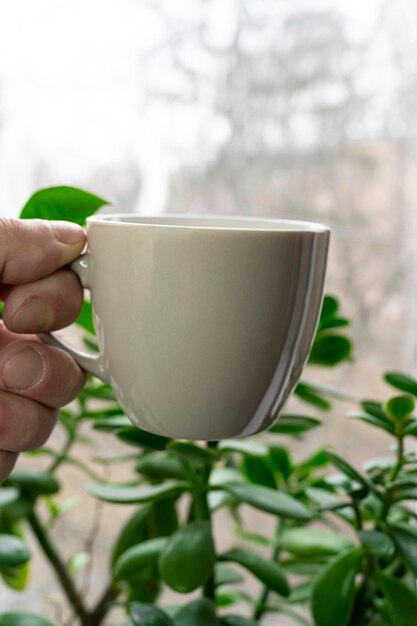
(344, 548)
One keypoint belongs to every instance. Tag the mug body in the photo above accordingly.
(204, 323)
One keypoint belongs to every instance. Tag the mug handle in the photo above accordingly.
(89, 362)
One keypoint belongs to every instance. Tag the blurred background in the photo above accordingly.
(300, 109)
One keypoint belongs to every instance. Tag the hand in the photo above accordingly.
(35, 379)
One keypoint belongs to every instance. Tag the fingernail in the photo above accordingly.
(69, 233)
(33, 315)
(24, 370)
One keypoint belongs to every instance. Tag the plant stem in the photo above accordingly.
(99, 612)
(202, 511)
(59, 567)
(394, 473)
(260, 605)
(400, 459)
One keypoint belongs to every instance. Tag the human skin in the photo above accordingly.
(40, 295)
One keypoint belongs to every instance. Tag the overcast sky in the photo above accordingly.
(70, 92)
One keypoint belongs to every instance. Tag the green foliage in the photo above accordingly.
(62, 203)
(13, 551)
(197, 613)
(22, 619)
(401, 601)
(358, 572)
(333, 592)
(139, 555)
(187, 560)
(268, 572)
(33, 482)
(148, 615)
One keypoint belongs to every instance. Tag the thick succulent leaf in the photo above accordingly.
(269, 500)
(268, 572)
(135, 494)
(333, 592)
(401, 602)
(187, 560)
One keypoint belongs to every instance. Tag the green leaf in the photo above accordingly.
(329, 350)
(301, 593)
(146, 585)
(312, 462)
(22, 619)
(160, 466)
(303, 567)
(102, 392)
(225, 575)
(138, 556)
(402, 382)
(405, 538)
(289, 424)
(220, 476)
(372, 420)
(228, 596)
(401, 602)
(237, 620)
(308, 394)
(280, 461)
(85, 318)
(333, 592)
(268, 572)
(17, 578)
(400, 408)
(13, 551)
(411, 428)
(258, 471)
(332, 322)
(254, 538)
(269, 500)
(329, 307)
(374, 408)
(188, 559)
(197, 613)
(377, 543)
(34, 482)
(163, 518)
(314, 542)
(133, 532)
(135, 494)
(350, 471)
(142, 439)
(191, 451)
(109, 424)
(326, 500)
(148, 615)
(62, 203)
(8, 495)
(19, 508)
(251, 447)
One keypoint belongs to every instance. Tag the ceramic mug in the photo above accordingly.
(203, 323)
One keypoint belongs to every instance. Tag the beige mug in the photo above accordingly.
(203, 323)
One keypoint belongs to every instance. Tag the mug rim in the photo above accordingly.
(224, 222)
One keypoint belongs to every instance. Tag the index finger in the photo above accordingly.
(33, 249)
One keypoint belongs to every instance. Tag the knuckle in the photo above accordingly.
(24, 424)
(35, 427)
(9, 232)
